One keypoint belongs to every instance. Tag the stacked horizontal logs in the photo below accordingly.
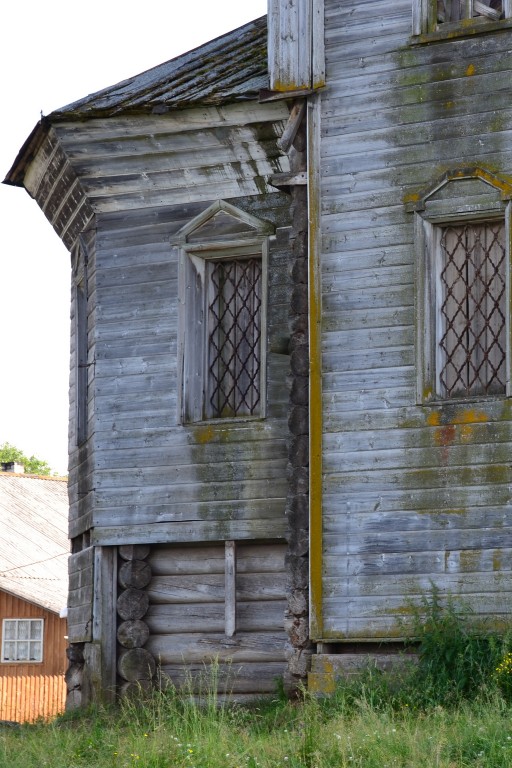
(136, 666)
(298, 648)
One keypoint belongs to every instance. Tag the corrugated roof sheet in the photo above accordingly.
(34, 545)
(232, 67)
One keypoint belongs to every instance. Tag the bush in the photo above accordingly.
(503, 676)
(458, 655)
(458, 659)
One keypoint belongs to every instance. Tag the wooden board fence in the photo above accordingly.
(25, 698)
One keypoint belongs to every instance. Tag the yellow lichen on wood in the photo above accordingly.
(204, 434)
(434, 419)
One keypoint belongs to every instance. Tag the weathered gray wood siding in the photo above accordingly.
(53, 181)
(187, 621)
(80, 597)
(80, 477)
(412, 495)
(155, 480)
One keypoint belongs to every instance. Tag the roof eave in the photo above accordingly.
(27, 153)
(40, 604)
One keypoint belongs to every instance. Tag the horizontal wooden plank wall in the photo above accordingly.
(80, 598)
(32, 690)
(405, 504)
(186, 616)
(80, 478)
(133, 163)
(155, 479)
(144, 477)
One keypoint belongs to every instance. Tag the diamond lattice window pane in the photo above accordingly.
(473, 324)
(234, 338)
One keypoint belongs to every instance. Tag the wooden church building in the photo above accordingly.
(291, 341)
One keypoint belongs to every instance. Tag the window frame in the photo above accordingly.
(17, 640)
(427, 227)
(193, 345)
(423, 12)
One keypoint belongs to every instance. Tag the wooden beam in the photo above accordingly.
(230, 588)
(104, 618)
(292, 126)
(315, 373)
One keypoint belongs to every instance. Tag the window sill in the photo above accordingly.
(437, 401)
(460, 29)
(226, 421)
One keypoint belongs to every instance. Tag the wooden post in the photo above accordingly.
(230, 588)
(104, 621)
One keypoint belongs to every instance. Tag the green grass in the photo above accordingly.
(164, 732)
(454, 709)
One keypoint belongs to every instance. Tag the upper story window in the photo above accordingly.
(470, 270)
(463, 278)
(234, 304)
(22, 640)
(430, 16)
(222, 349)
(456, 10)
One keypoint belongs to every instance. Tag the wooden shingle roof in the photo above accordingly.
(232, 67)
(34, 546)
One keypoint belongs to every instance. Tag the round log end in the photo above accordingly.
(134, 551)
(136, 664)
(133, 634)
(134, 573)
(132, 604)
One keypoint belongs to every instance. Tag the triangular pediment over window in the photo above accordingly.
(464, 185)
(222, 221)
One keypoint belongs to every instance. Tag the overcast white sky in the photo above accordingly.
(53, 53)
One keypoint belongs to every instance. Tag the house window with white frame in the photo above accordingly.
(22, 640)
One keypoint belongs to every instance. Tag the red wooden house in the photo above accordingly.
(33, 592)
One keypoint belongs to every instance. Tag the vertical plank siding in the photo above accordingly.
(32, 690)
(25, 698)
(412, 494)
